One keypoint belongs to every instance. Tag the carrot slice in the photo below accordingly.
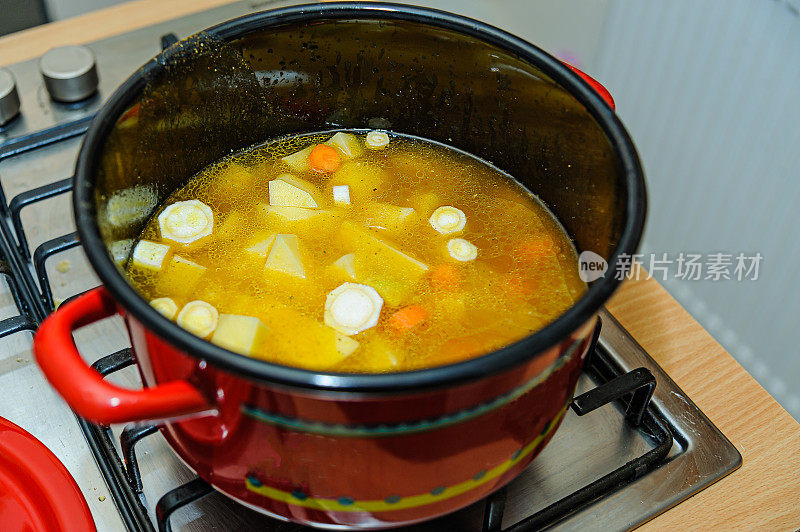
(324, 158)
(445, 277)
(407, 318)
(535, 249)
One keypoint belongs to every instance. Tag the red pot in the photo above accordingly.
(326, 449)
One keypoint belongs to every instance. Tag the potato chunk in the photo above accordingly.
(341, 195)
(240, 334)
(364, 179)
(346, 265)
(289, 191)
(233, 182)
(298, 161)
(180, 276)
(150, 255)
(390, 217)
(347, 144)
(285, 256)
(380, 264)
(345, 345)
(302, 341)
(262, 247)
(291, 214)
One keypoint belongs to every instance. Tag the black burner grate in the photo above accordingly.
(30, 287)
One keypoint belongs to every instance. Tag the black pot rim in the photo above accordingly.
(261, 371)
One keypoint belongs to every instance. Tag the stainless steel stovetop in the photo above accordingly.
(583, 450)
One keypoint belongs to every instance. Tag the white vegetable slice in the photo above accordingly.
(352, 308)
(165, 306)
(377, 140)
(186, 221)
(150, 255)
(347, 264)
(462, 250)
(347, 144)
(285, 256)
(341, 195)
(199, 318)
(448, 220)
(283, 193)
(241, 334)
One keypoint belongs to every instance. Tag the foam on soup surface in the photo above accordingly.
(356, 252)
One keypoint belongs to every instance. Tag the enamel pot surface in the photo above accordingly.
(327, 449)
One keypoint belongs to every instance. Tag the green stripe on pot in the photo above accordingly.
(410, 427)
(398, 502)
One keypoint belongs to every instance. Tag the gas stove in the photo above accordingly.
(632, 446)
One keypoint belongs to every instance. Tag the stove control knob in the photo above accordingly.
(9, 98)
(69, 73)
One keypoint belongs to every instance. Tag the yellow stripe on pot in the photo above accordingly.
(396, 502)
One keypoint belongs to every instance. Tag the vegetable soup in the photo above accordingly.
(356, 251)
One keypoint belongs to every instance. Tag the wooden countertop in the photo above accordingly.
(764, 494)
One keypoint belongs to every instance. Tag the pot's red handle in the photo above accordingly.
(596, 85)
(84, 389)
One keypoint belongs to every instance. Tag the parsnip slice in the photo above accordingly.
(186, 221)
(462, 250)
(447, 220)
(199, 318)
(165, 306)
(377, 140)
(352, 308)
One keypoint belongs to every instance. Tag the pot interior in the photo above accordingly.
(207, 98)
(410, 70)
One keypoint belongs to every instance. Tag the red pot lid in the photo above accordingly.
(36, 490)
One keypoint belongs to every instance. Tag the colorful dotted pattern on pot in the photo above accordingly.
(397, 502)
